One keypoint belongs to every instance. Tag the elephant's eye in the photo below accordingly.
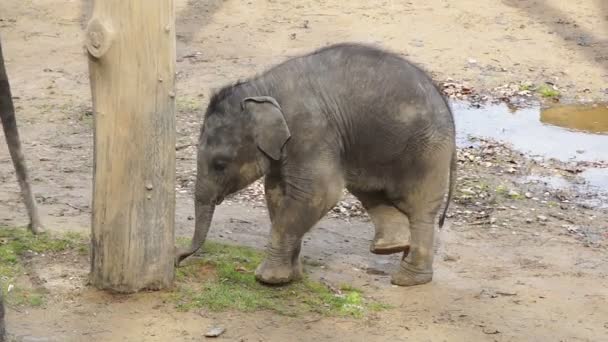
(219, 164)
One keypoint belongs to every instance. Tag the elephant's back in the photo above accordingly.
(380, 105)
(388, 107)
(366, 80)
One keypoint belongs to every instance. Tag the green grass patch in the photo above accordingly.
(502, 190)
(526, 87)
(506, 193)
(187, 104)
(14, 244)
(224, 280)
(548, 91)
(86, 116)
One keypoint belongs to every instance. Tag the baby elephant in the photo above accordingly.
(347, 115)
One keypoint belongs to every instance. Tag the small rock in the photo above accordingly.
(541, 218)
(528, 195)
(492, 220)
(513, 193)
(529, 220)
(489, 331)
(448, 257)
(215, 332)
(467, 192)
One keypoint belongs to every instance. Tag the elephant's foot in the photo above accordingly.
(390, 239)
(407, 275)
(275, 273)
(35, 227)
(389, 247)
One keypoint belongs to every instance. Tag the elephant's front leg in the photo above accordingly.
(293, 209)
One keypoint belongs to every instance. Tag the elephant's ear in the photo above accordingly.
(270, 129)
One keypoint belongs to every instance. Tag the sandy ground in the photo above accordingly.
(506, 270)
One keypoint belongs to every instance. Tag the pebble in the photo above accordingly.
(467, 191)
(541, 218)
(448, 257)
(513, 193)
(215, 332)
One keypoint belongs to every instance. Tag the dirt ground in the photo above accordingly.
(523, 264)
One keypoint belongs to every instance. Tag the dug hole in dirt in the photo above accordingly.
(523, 255)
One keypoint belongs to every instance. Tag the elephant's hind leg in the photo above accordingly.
(391, 224)
(421, 200)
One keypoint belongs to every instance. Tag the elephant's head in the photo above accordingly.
(239, 139)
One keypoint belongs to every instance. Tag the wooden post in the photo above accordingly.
(131, 46)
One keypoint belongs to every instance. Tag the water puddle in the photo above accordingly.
(596, 178)
(590, 119)
(565, 133)
(553, 182)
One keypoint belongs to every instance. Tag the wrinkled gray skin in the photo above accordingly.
(9, 124)
(349, 116)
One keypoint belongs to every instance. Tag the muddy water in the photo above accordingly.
(566, 133)
(590, 119)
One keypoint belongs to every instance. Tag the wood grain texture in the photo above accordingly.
(132, 67)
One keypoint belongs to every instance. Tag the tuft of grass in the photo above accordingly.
(25, 297)
(505, 192)
(517, 196)
(86, 116)
(224, 280)
(14, 244)
(548, 91)
(502, 190)
(187, 104)
(526, 87)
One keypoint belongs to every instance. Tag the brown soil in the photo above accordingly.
(507, 268)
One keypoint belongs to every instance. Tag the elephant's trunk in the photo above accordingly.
(204, 215)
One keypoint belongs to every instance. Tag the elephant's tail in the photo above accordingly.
(452, 184)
